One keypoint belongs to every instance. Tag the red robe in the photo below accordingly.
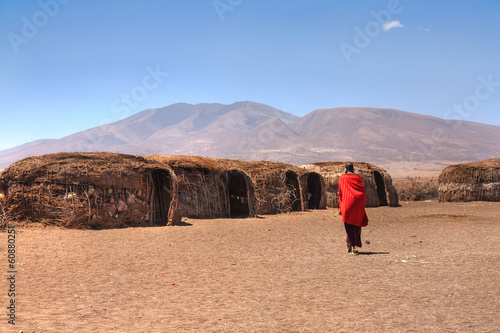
(352, 200)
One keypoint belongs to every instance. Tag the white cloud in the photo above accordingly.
(390, 25)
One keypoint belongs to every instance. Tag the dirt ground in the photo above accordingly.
(428, 267)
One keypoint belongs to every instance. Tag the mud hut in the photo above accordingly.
(278, 186)
(90, 190)
(378, 183)
(210, 187)
(475, 181)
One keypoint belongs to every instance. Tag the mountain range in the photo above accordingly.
(400, 141)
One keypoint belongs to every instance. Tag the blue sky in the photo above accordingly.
(69, 65)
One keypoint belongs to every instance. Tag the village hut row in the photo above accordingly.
(378, 183)
(474, 181)
(110, 190)
(210, 187)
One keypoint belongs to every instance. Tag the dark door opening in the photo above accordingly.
(161, 196)
(313, 190)
(238, 194)
(379, 182)
(292, 183)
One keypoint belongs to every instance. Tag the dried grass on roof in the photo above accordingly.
(193, 162)
(79, 166)
(472, 173)
(474, 181)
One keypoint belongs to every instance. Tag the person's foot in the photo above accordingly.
(349, 248)
(354, 251)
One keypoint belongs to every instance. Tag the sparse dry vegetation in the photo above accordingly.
(417, 189)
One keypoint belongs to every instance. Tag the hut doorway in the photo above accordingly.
(379, 183)
(161, 196)
(238, 194)
(292, 182)
(314, 190)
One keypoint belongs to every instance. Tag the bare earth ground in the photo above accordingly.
(429, 267)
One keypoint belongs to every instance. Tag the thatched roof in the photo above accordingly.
(472, 172)
(220, 164)
(193, 162)
(254, 167)
(80, 166)
(474, 181)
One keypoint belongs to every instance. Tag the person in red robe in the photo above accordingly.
(352, 202)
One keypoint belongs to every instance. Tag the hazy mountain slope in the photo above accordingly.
(253, 131)
(384, 134)
(171, 129)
